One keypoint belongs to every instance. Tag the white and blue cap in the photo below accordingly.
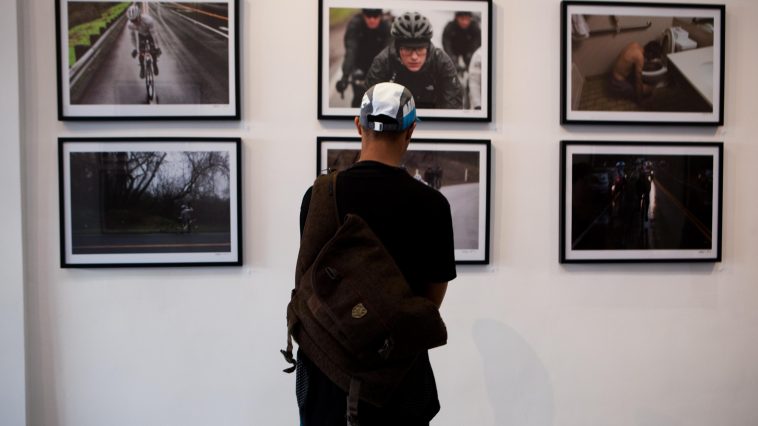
(387, 107)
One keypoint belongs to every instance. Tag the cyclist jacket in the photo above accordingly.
(435, 85)
(145, 28)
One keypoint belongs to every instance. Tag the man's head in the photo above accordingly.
(386, 122)
(412, 32)
(653, 50)
(387, 107)
(463, 19)
(372, 18)
(133, 13)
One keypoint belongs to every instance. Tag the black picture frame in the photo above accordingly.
(471, 221)
(334, 19)
(127, 202)
(641, 201)
(685, 87)
(198, 63)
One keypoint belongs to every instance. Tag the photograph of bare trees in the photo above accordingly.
(150, 201)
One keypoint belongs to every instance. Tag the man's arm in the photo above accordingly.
(641, 89)
(133, 33)
(435, 292)
(351, 47)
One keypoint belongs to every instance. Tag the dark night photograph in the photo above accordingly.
(639, 202)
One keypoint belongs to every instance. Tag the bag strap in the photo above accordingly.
(352, 402)
(317, 231)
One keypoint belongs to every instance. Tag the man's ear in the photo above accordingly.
(358, 126)
(409, 132)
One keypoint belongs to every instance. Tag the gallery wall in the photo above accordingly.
(12, 370)
(532, 342)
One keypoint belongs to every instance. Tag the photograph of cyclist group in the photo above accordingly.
(458, 170)
(644, 201)
(148, 59)
(139, 202)
(441, 53)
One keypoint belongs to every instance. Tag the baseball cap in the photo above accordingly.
(387, 107)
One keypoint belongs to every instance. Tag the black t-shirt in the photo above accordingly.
(413, 222)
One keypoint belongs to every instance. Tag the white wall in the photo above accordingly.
(532, 343)
(12, 384)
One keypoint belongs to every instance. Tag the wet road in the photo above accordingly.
(206, 242)
(194, 66)
(464, 208)
(670, 221)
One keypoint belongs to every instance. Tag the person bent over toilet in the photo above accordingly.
(626, 75)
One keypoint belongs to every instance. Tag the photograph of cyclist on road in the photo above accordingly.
(112, 52)
(425, 46)
(457, 170)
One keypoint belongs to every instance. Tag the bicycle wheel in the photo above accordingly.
(149, 80)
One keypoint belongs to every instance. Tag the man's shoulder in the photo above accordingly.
(355, 22)
(440, 58)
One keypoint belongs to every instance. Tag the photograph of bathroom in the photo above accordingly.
(676, 55)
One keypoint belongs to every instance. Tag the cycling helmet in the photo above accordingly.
(133, 12)
(411, 27)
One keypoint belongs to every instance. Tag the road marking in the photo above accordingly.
(201, 24)
(225, 18)
(698, 224)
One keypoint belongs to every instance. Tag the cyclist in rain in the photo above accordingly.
(413, 61)
(142, 29)
(461, 37)
(366, 35)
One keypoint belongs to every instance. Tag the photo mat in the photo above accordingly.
(459, 169)
(636, 63)
(178, 60)
(150, 202)
(643, 202)
(342, 30)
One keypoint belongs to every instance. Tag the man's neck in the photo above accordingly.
(382, 152)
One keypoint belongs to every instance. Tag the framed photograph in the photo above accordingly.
(640, 201)
(441, 51)
(459, 169)
(642, 63)
(150, 202)
(148, 60)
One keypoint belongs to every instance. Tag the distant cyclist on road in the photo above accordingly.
(142, 29)
(186, 217)
(366, 35)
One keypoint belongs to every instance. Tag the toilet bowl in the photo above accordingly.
(655, 73)
(673, 39)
